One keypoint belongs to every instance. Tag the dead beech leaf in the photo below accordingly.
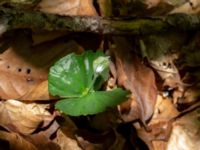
(16, 142)
(186, 132)
(39, 92)
(24, 68)
(65, 136)
(190, 7)
(68, 7)
(164, 110)
(23, 117)
(42, 141)
(65, 142)
(160, 124)
(136, 77)
(158, 132)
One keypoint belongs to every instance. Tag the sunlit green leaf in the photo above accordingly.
(92, 103)
(77, 79)
(74, 75)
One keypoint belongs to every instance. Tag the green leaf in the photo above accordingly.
(76, 75)
(92, 103)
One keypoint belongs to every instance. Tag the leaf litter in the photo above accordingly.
(162, 112)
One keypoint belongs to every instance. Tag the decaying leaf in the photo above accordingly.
(68, 7)
(190, 7)
(14, 141)
(185, 134)
(164, 110)
(23, 117)
(161, 51)
(24, 68)
(136, 77)
(66, 142)
(160, 124)
(41, 141)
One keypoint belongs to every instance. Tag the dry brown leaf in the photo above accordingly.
(165, 67)
(68, 7)
(169, 73)
(160, 124)
(136, 77)
(65, 142)
(65, 136)
(190, 7)
(159, 145)
(42, 142)
(164, 110)
(186, 132)
(159, 131)
(152, 3)
(23, 117)
(24, 69)
(16, 142)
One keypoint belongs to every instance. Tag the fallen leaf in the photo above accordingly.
(68, 7)
(137, 78)
(158, 132)
(185, 134)
(164, 110)
(16, 142)
(66, 142)
(40, 141)
(190, 7)
(161, 51)
(24, 68)
(23, 117)
(159, 145)
(160, 124)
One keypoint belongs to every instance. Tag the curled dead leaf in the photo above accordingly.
(185, 134)
(137, 78)
(160, 124)
(66, 142)
(23, 117)
(68, 7)
(190, 7)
